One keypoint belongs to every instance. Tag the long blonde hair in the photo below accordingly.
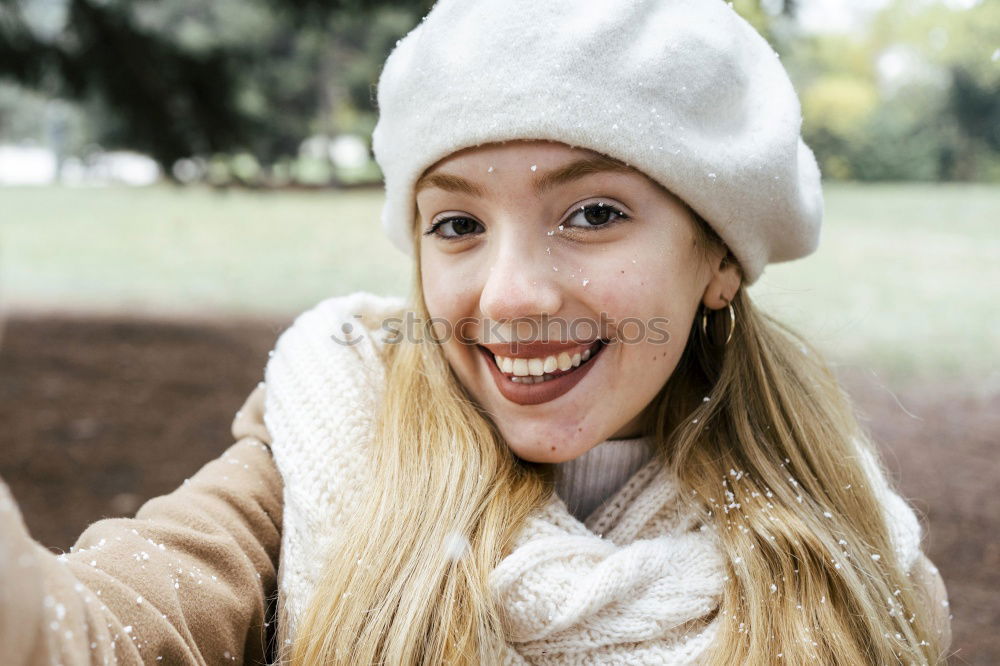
(768, 457)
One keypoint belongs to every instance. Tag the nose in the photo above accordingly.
(520, 282)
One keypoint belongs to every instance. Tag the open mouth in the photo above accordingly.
(539, 370)
(533, 381)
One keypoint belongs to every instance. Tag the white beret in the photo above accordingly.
(685, 91)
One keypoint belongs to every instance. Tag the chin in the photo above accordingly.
(545, 453)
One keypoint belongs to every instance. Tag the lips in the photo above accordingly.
(555, 383)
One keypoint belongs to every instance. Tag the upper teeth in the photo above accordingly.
(536, 367)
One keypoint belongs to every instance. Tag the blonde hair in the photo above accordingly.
(769, 458)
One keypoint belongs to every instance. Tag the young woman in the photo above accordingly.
(578, 441)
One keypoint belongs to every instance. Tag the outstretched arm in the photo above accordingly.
(187, 581)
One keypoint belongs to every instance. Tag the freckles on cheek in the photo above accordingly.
(620, 296)
(641, 309)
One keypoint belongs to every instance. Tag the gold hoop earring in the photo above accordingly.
(732, 323)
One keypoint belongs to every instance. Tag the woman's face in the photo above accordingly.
(524, 239)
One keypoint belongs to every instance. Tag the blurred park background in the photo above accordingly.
(179, 178)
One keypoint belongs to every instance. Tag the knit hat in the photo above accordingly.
(685, 91)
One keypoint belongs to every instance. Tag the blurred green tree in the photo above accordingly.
(913, 96)
(962, 45)
(184, 78)
(188, 78)
(240, 84)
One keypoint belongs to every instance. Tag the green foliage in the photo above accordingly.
(836, 109)
(904, 139)
(188, 78)
(224, 80)
(160, 98)
(839, 104)
(931, 113)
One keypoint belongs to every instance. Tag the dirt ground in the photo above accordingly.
(101, 414)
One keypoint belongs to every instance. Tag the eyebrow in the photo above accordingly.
(548, 180)
(579, 169)
(449, 183)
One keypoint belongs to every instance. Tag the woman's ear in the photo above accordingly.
(724, 282)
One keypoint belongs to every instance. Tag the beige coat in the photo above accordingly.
(190, 580)
(187, 581)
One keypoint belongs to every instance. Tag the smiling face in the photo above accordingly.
(528, 237)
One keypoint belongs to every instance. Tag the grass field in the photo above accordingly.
(903, 279)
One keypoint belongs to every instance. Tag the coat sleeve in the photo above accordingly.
(189, 580)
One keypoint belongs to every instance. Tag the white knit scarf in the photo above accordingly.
(639, 583)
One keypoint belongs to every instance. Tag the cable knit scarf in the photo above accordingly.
(639, 582)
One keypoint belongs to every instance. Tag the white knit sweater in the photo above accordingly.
(638, 582)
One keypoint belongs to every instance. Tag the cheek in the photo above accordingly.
(451, 302)
(637, 286)
(446, 289)
(649, 304)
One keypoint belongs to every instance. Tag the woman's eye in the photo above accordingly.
(453, 227)
(595, 215)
